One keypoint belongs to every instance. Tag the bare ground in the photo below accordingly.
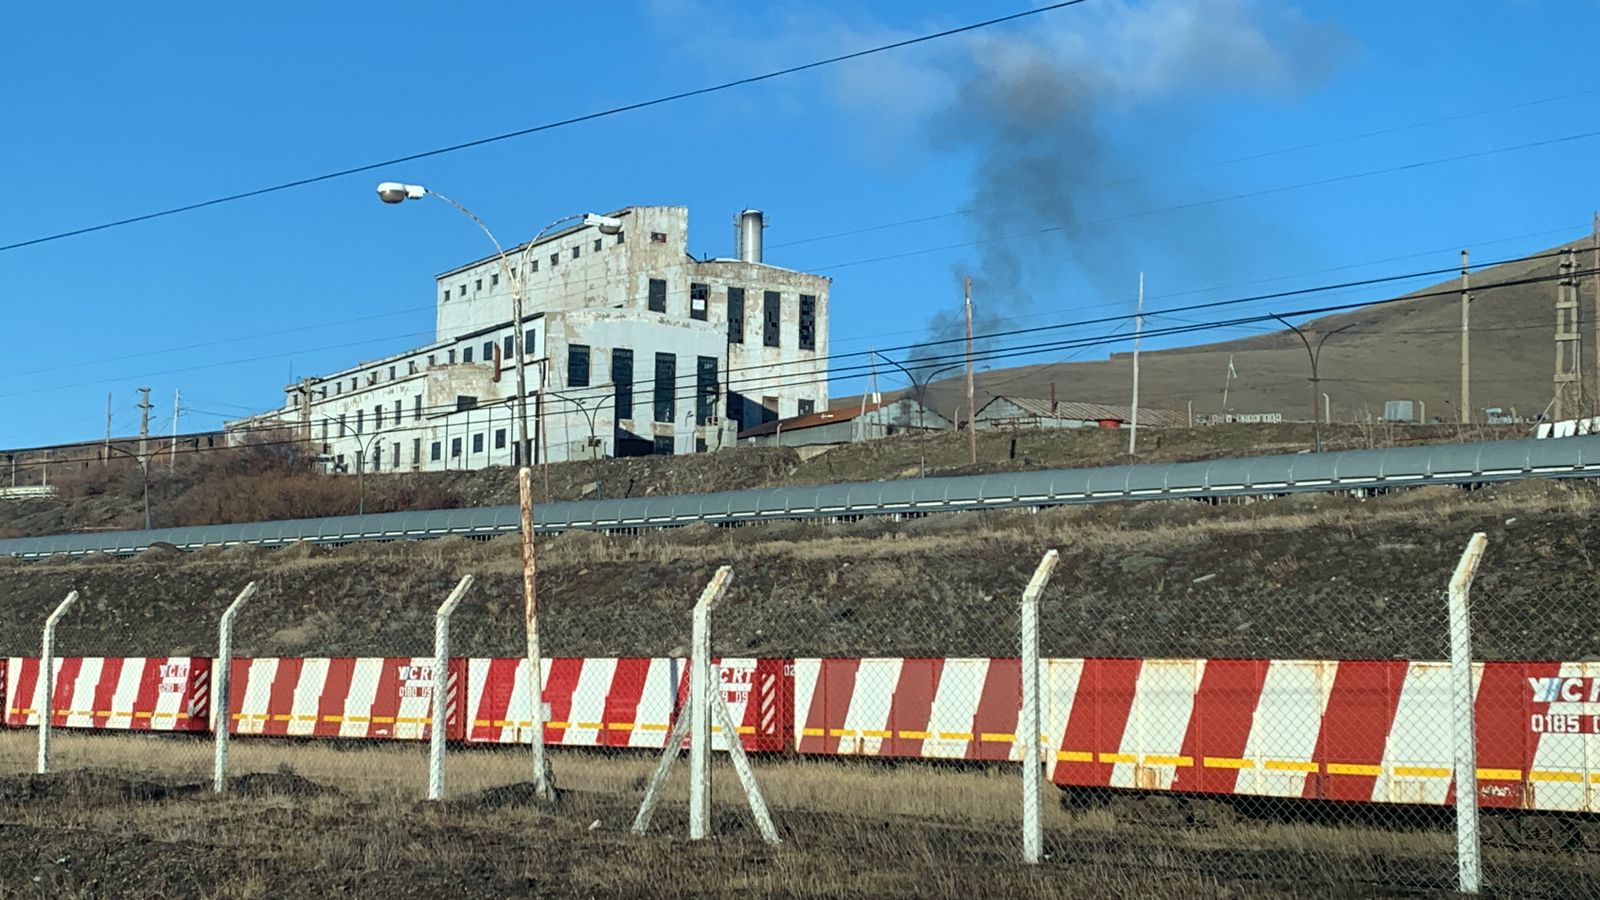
(121, 820)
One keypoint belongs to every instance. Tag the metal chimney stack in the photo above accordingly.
(750, 225)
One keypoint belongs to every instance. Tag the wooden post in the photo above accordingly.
(543, 781)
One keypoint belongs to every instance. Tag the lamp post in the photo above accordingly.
(1315, 356)
(361, 472)
(591, 415)
(394, 192)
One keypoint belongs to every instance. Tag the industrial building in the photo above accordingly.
(847, 424)
(1028, 412)
(633, 347)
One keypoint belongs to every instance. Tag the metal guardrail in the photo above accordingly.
(1458, 464)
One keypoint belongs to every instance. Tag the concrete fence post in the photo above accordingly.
(222, 688)
(700, 688)
(1030, 727)
(438, 715)
(1469, 864)
(46, 698)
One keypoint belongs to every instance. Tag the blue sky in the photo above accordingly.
(1120, 121)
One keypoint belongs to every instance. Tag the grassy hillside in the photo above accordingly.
(1401, 351)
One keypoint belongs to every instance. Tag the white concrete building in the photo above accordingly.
(633, 347)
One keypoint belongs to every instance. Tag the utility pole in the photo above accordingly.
(305, 410)
(172, 461)
(972, 419)
(1596, 321)
(1138, 329)
(1464, 414)
(105, 460)
(144, 450)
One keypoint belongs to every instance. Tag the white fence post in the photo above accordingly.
(438, 715)
(221, 681)
(47, 681)
(700, 687)
(1030, 728)
(1469, 864)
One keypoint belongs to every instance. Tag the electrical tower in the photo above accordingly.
(1569, 344)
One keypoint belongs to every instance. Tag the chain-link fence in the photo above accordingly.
(1211, 739)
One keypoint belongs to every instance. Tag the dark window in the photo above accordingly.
(416, 406)
(341, 426)
(699, 296)
(528, 342)
(499, 438)
(416, 451)
(771, 310)
(447, 293)
(399, 410)
(465, 402)
(434, 455)
(511, 347)
(391, 373)
(735, 315)
(377, 417)
(477, 285)
(554, 258)
(533, 266)
(488, 351)
(466, 354)
(705, 389)
(361, 418)
(477, 443)
(455, 448)
(494, 279)
(619, 237)
(461, 290)
(699, 445)
(666, 383)
(576, 251)
(806, 408)
(622, 380)
(377, 458)
(657, 237)
(808, 322)
(577, 365)
(769, 409)
(452, 355)
(658, 295)
(597, 245)
(663, 446)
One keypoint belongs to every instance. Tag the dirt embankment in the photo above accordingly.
(1296, 577)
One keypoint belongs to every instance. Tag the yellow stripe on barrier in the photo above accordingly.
(746, 729)
(999, 737)
(280, 717)
(141, 715)
(812, 732)
(1118, 758)
(1421, 772)
(1289, 765)
(105, 712)
(1500, 774)
(355, 719)
(915, 735)
(383, 720)
(955, 735)
(619, 726)
(1354, 769)
(1550, 775)
(877, 734)
(529, 724)
(841, 732)
(1227, 762)
(1169, 761)
(595, 725)
(655, 726)
(1074, 756)
(305, 718)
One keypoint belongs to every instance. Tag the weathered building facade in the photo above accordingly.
(633, 347)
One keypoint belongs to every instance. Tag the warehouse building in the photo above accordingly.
(633, 347)
(847, 424)
(1028, 412)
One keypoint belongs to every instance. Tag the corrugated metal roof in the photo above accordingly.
(1090, 412)
(812, 420)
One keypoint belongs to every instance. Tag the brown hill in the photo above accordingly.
(1406, 350)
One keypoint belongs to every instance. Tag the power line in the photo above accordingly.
(548, 126)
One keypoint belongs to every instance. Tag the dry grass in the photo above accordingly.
(852, 829)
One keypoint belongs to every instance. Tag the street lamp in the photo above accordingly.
(1316, 357)
(394, 192)
(361, 472)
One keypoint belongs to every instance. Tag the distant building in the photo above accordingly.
(633, 347)
(847, 424)
(1027, 412)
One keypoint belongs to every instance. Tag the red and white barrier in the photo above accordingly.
(628, 702)
(167, 693)
(347, 697)
(1355, 731)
